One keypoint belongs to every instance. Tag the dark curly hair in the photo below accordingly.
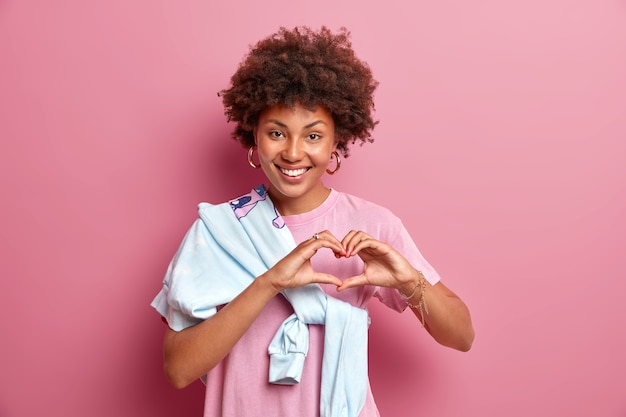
(306, 67)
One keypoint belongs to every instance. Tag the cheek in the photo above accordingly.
(323, 156)
(264, 152)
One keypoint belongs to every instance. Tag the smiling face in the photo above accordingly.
(294, 147)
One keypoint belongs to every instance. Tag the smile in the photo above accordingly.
(293, 172)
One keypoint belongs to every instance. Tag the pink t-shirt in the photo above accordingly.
(238, 386)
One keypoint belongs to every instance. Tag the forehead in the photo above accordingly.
(296, 115)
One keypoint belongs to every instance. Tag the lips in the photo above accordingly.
(293, 172)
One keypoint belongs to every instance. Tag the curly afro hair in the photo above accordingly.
(309, 68)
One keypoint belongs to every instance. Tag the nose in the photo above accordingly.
(293, 150)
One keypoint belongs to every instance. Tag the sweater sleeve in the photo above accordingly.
(200, 278)
(166, 303)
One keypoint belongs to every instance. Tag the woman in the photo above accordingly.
(266, 298)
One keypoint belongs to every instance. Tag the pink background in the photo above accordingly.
(501, 144)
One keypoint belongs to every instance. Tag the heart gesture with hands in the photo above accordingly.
(384, 266)
(295, 269)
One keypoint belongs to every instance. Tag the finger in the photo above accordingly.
(348, 241)
(325, 234)
(328, 240)
(352, 240)
(369, 243)
(348, 236)
(355, 281)
(322, 278)
(308, 248)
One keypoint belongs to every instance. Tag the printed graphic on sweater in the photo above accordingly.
(242, 205)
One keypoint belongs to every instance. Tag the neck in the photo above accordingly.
(289, 206)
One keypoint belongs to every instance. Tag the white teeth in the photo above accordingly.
(294, 172)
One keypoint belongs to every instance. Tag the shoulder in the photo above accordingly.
(361, 207)
(240, 205)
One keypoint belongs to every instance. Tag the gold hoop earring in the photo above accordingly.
(250, 161)
(338, 163)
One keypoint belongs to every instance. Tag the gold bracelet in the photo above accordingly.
(421, 304)
(407, 297)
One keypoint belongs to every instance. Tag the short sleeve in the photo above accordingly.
(404, 244)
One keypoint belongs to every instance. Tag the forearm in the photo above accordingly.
(196, 350)
(445, 316)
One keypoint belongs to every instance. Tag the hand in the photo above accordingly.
(384, 266)
(295, 269)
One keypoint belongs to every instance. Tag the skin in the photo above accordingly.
(290, 141)
(294, 147)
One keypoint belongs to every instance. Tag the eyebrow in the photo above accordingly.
(281, 124)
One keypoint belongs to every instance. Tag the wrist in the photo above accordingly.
(410, 288)
(265, 283)
(415, 297)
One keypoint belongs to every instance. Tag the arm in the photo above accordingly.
(194, 351)
(448, 319)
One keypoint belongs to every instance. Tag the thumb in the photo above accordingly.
(321, 278)
(355, 281)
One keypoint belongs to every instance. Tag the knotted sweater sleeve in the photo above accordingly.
(189, 294)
